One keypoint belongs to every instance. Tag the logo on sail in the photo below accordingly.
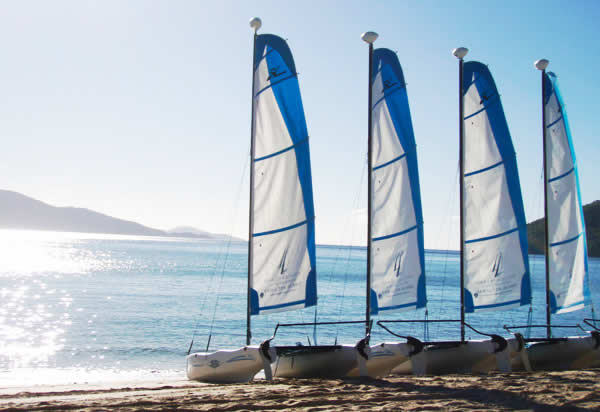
(497, 265)
(485, 97)
(282, 265)
(398, 263)
(388, 84)
(273, 73)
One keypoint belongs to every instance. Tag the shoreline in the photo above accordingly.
(538, 391)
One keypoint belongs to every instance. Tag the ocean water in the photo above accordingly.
(97, 308)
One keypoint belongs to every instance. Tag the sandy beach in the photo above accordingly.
(568, 391)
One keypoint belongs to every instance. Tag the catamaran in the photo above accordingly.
(395, 243)
(567, 276)
(282, 259)
(494, 266)
(281, 248)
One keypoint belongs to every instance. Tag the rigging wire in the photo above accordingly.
(529, 322)
(448, 226)
(537, 205)
(350, 248)
(228, 246)
(216, 264)
(426, 326)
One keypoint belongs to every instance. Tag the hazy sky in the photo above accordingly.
(141, 109)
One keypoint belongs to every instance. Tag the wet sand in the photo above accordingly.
(539, 391)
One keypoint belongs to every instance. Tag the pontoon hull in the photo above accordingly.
(573, 353)
(456, 357)
(314, 362)
(382, 359)
(227, 366)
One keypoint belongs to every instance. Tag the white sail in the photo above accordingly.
(566, 228)
(397, 266)
(282, 273)
(495, 241)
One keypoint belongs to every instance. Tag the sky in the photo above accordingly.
(141, 109)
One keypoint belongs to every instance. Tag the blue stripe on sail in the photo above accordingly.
(271, 84)
(406, 305)
(485, 169)
(283, 229)
(481, 239)
(282, 305)
(390, 162)
(561, 176)
(375, 239)
(281, 151)
(496, 305)
(566, 241)
(554, 122)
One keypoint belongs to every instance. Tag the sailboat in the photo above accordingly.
(395, 242)
(494, 266)
(282, 257)
(567, 276)
(281, 247)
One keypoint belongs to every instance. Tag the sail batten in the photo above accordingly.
(566, 241)
(403, 232)
(397, 246)
(485, 169)
(389, 162)
(508, 232)
(496, 265)
(567, 249)
(283, 272)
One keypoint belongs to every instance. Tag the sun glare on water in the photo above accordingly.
(34, 315)
(27, 253)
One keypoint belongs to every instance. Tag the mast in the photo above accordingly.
(460, 53)
(541, 65)
(369, 37)
(255, 24)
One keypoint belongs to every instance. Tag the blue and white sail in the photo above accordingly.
(496, 264)
(398, 253)
(569, 286)
(283, 268)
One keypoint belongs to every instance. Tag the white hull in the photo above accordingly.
(227, 366)
(382, 359)
(468, 357)
(577, 352)
(311, 362)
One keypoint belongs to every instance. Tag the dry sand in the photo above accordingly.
(540, 391)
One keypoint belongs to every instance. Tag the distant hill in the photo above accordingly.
(18, 211)
(591, 214)
(188, 231)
